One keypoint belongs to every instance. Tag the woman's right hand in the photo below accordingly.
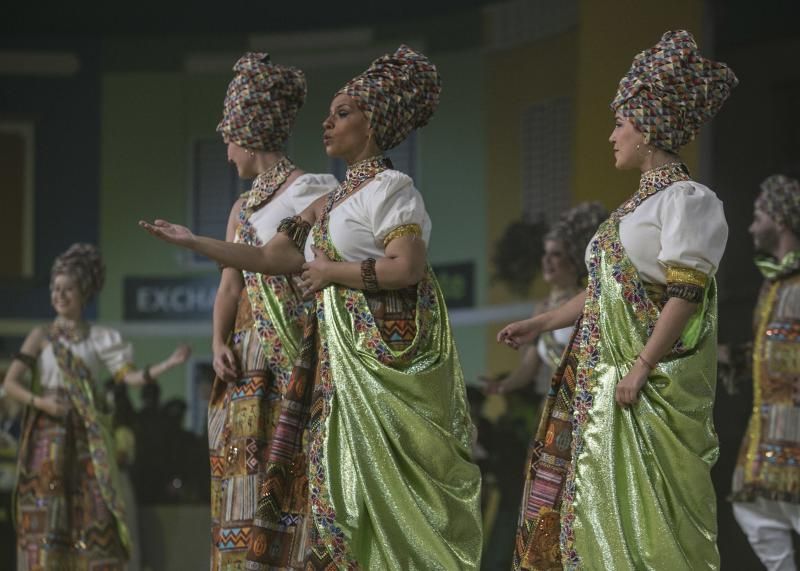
(225, 364)
(519, 333)
(52, 405)
(169, 232)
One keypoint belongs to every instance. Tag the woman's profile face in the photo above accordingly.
(345, 130)
(628, 143)
(244, 161)
(557, 269)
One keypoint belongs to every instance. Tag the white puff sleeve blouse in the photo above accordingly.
(304, 190)
(682, 227)
(360, 225)
(104, 351)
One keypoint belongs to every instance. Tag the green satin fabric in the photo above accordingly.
(395, 441)
(643, 497)
(279, 314)
(773, 269)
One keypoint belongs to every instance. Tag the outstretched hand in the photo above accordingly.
(519, 333)
(180, 355)
(169, 232)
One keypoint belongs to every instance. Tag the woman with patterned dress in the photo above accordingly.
(390, 479)
(621, 476)
(258, 318)
(69, 509)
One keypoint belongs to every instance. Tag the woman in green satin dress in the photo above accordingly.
(621, 476)
(391, 482)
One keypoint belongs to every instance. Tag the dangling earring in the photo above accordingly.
(251, 152)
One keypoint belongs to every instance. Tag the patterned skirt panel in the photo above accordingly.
(241, 420)
(283, 539)
(536, 547)
(63, 523)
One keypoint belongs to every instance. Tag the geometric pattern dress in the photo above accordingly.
(242, 415)
(69, 512)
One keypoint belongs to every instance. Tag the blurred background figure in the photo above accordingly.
(69, 501)
(766, 481)
(563, 270)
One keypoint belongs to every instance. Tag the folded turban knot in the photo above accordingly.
(398, 93)
(85, 265)
(262, 102)
(671, 90)
(780, 200)
(575, 229)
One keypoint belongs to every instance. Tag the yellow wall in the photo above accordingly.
(516, 79)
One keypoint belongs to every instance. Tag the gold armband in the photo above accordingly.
(297, 229)
(686, 283)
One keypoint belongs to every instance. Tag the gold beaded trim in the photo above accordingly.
(687, 276)
(400, 231)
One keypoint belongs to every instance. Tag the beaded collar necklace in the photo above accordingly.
(269, 181)
(356, 174)
(650, 183)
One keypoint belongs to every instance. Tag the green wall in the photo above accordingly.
(453, 181)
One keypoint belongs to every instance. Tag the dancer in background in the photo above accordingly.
(70, 512)
(258, 318)
(622, 475)
(766, 482)
(564, 271)
(391, 482)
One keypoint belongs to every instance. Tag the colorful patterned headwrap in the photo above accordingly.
(85, 265)
(262, 102)
(671, 90)
(398, 93)
(575, 228)
(780, 200)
